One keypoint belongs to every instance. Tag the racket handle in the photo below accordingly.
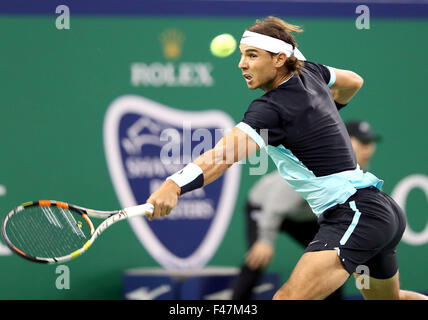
(139, 210)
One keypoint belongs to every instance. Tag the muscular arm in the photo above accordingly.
(233, 147)
(347, 84)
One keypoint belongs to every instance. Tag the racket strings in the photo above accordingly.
(47, 231)
(25, 235)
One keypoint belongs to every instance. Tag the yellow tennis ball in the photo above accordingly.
(223, 45)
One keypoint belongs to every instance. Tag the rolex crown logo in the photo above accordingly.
(172, 40)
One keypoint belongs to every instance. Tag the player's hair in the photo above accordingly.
(277, 28)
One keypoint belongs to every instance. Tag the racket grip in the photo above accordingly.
(139, 210)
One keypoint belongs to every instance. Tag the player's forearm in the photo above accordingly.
(204, 170)
(213, 165)
(343, 96)
(232, 148)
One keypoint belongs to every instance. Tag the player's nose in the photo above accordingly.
(242, 63)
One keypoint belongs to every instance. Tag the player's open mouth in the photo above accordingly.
(248, 78)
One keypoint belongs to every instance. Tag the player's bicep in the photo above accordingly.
(235, 146)
(344, 79)
(346, 85)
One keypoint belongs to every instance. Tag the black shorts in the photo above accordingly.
(365, 231)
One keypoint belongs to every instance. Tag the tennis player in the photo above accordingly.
(298, 123)
(273, 206)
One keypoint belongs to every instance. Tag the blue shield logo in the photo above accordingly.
(144, 143)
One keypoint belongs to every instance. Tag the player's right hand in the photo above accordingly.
(164, 199)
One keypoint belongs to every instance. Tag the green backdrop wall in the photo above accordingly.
(55, 87)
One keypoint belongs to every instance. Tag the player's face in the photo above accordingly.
(257, 67)
(363, 151)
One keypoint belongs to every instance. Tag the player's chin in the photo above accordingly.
(252, 86)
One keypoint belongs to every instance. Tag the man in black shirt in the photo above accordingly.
(273, 206)
(298, 123)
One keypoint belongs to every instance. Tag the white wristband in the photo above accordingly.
(189, 178)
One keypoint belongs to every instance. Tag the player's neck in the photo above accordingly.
(278, 81)
(284, 79)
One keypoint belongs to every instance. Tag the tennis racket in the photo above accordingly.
(49, 231)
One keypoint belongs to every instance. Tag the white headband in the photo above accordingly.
(270, 44)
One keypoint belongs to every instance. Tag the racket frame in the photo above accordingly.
(111, 217)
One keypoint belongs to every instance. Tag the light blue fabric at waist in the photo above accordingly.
(323, 192)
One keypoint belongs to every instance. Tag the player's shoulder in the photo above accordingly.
(266, 101)
(316, 71)
(313, 66)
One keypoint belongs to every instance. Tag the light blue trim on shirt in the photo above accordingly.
(353, 224)
(332, 76)
(252, 134)
(324, 192)
(286, 80)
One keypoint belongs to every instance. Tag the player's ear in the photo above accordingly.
(280, 59)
